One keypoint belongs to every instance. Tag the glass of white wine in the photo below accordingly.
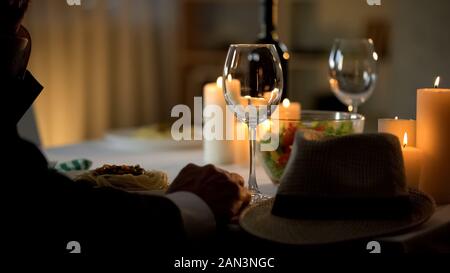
(253, 86)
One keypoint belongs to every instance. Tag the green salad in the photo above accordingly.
(275, 161)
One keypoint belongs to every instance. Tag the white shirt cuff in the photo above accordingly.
(198, 219)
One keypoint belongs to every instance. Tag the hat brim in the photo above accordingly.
(260, 222)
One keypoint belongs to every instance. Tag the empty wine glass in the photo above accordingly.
(353, 71)
(253, 85)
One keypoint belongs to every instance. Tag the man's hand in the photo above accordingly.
(224, 192)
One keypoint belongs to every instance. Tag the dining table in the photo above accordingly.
(432, 236)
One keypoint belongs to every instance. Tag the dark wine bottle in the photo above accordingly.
(269, 35)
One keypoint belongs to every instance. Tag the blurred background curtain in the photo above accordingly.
(97, 63)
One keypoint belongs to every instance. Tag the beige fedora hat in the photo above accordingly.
(340, 189)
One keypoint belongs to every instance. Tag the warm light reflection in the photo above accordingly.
(350, 108)
(286, 56)
(405, 139)
(396, 118)
(271, 96)
(229, 78)
(437, 82)
(266, 125)
(375, 56)
(340, 60)
(333, 84)
(219, 82)
(286, 103)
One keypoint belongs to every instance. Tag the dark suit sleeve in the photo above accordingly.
(107, 219)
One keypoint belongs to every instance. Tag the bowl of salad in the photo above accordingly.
(316, 124)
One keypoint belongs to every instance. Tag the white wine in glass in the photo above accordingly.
(253, 86)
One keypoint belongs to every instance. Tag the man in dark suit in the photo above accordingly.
(45, 210)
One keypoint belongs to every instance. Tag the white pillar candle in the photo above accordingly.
(433, 138)
(412, 158)
(234, 87)
(399, 127)
(242, 145)
(217, 151)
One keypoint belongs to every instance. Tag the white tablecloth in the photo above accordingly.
(428, 237)
(170, 161)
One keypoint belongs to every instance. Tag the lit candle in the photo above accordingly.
(433, 138)
(234, 88)
(289, 110)
(412, 158)
(217, 151)
(398, 127)
(241, 145)
(252, 101)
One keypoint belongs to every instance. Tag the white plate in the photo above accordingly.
(126, 140)
(74, 174)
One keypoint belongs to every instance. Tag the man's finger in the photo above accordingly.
(238, 178)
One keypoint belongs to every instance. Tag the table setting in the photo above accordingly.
(315, 177)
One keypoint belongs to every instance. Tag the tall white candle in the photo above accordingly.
(433, 138)
(242, 145)
(217, 151)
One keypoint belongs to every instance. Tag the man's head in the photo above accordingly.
(11, 15)
(15, 44)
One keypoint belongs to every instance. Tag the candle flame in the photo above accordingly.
(219, 82)
(286, 103)
(437, 81)
(405, 139)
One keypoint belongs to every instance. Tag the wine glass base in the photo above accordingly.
(258, 197)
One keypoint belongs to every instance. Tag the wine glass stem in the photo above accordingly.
(252, 184)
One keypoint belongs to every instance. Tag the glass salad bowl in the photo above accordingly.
(317, 124)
